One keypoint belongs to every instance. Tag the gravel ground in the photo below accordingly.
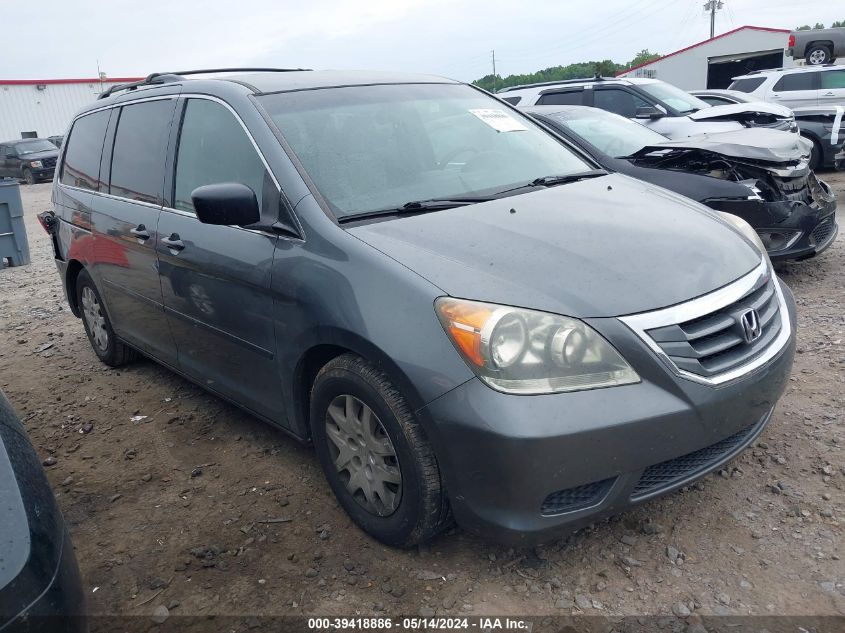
(203, 510)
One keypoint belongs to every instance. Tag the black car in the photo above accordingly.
(762, 176)
(30, 159)
(40, 589)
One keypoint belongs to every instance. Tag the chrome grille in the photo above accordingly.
(49, 162)
(715, 342)
(707, 340)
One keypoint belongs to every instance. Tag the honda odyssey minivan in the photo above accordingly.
(463, 314)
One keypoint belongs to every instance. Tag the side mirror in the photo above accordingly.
(10, 156)
(226, 203)
(649, 112)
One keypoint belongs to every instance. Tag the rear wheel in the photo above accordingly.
(818, 54)
(103, 341)
(374, 454)
(28, 176)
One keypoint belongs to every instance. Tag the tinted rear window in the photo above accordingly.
(137, 167)
(571, 97)
(81, 166)
(833, 79)
(747, 85)
(796, 81)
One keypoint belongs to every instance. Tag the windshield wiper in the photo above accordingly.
(416, 206)
(553, 181)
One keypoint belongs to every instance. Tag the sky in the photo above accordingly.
(126, 38)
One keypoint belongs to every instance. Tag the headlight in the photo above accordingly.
(745, 228)
(529, 352)
(36, 164)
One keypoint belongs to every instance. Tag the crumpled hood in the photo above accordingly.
(733, 109)
(601, 247)
(772, 146)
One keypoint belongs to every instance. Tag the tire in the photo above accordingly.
(412, 510)
(818, 54)
(108, 348)
(28, 177)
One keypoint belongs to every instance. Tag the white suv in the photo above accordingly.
(656, 104)
(795, 87)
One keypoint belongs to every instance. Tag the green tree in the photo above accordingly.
(641, 58)
(605, 68)
(818, 25)
(838, 23)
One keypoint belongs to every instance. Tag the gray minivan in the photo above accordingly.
(465, 315)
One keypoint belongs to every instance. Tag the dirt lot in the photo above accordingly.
(172, 508)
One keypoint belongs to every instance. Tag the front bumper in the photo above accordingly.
(524, 469)
(45, 173)
(814, 225)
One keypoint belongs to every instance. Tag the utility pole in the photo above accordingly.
(494, 69)
(712, 6)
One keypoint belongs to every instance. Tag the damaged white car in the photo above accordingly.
(654, 103)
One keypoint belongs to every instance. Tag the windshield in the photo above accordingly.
(610, 133)
(34, 146)
(675, 98)
(369, 148)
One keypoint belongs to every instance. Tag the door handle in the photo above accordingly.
(140, 232)
(828, 94)
(173, 242)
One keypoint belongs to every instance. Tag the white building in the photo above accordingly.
(44, 107)
(712, 63)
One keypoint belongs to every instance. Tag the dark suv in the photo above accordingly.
(463, 313)
(31, 159)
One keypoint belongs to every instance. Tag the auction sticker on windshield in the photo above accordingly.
(499, 120)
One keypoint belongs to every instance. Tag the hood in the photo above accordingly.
(698, 187)
(47, 153)
(602, 247)
(740, 111)
(772, 146)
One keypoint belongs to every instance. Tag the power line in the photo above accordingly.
(619, 22)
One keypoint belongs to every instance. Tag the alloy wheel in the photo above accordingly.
(363, 455)
(817, 57)
(94, 318)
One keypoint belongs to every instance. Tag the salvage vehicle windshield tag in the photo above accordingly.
(499, 120)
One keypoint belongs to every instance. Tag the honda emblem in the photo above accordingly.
(751, 326)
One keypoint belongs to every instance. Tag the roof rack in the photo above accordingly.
(556, 83)
(785, 68)
(179, 75)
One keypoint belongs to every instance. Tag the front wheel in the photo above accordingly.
(105, 344)
(374, 454)
(28, 176)
(818, 54)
